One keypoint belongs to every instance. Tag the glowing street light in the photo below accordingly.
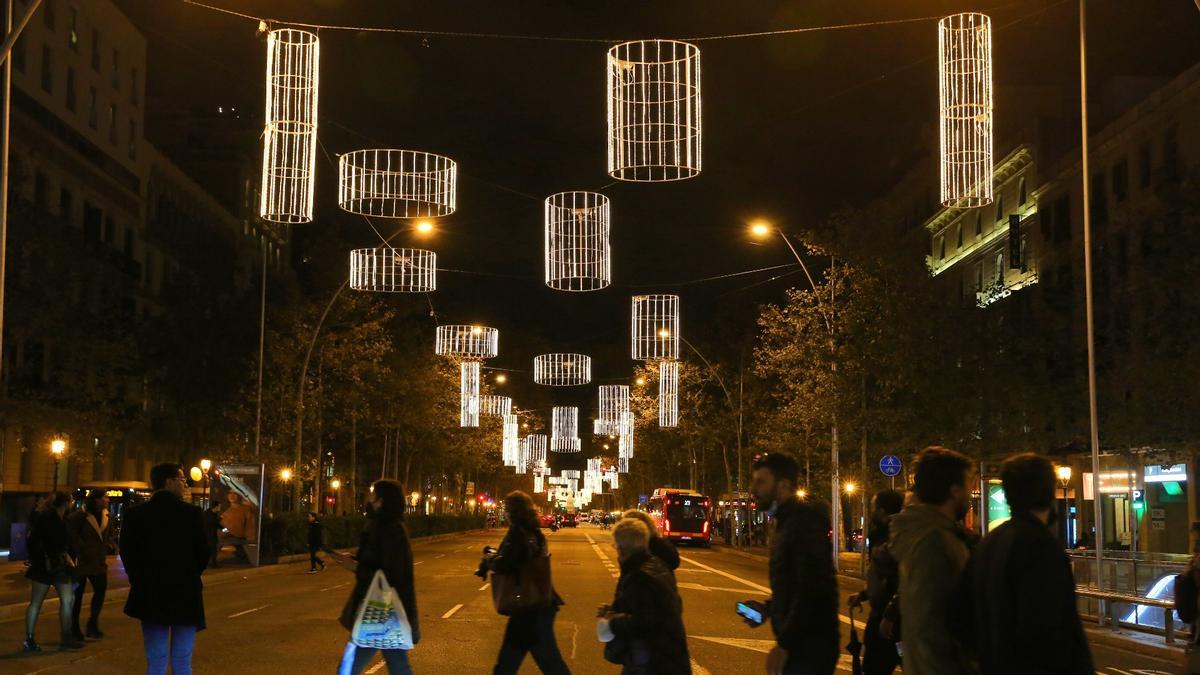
(1064, 474)
(641, 381)
(58, 447)
(424, 226)
(801, 493)
(285, 474)
(850, 488)
(196, 474)
(501, 378)
(760, 229)
(335, 484)
(205, 465)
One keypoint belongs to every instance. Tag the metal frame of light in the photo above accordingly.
(614, 403)
(492, 405)
(468, 342)
(668, 394)
(290, 131)
(536, 445)
(389, 183)
(511, 441)
(393, 270)
(655, 331)
(965, 109)
(564, 430)
(562, 370)
(468, 393)
(577, 252)
(653, 110)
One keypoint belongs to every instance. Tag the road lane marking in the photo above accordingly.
(440, 555)
(727, 575)
(761, 646)
(330, 588)
(698, 669)
(375, 668)
(233, 616)
(453, 609)
(418, 563)
(590, 540)
(484, 587)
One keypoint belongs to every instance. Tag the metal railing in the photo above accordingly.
(1108, 603)
(1125, 572)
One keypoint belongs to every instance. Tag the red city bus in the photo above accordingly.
(682, 515)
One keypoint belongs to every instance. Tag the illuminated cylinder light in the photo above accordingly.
(965, 105)
(290, 133)
(393, 270)
(625, 437)
(536, 444)
(397, 183)
(614, 402)
(655, 327)
(668, 394)
(565, 430)
(468, 394)
(578, 256)
(562, 370)
(653, 110)
(495, 406)
(512, 441)
(469, 342)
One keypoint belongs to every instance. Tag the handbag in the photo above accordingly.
(381, 622)
(526, 590)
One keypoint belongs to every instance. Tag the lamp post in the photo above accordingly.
(1064, 482)
(205, 465)
(285, 475)
(336, 486)
(58, 447)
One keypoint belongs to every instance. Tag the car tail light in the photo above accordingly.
(666, 525)
(705, 526)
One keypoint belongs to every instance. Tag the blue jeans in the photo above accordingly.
(356, 658)
(173, 643)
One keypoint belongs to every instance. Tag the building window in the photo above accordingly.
(71, 89)
(979, 276)
(1120, 180)
(1022, 195)
(132, 139)
(93, 113)
(1024, 253)
(979, 224)
(999, 281)
(112, 123)
(65, 203)
(1145, 161)
(1062, 218)
(48, 13)
(116, 70)
(47, 70)
(96, 50)
(999, 208)
(941, 245)
(73, 36)
(133, 86)
(960, 239)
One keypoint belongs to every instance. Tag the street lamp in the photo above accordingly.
(501, 378)
(205, 466)
(58, 447)
(641, 381)
(424, 227)
(1064, 482)
(285, 475)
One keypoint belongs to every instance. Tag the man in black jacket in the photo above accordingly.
(1019, 597)
(804, 594)
(164, 550)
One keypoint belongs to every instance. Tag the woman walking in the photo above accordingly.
(51, 564)
(531, 632)
(659, 548)
(383, 546)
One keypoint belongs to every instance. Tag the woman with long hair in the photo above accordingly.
(51, 565)
(383, 546)
(530, 632)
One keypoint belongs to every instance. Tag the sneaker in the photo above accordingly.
(30, 645)
(70, 645)
(322, 567)
(313, 571)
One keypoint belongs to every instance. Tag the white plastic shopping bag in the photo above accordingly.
(381, 621)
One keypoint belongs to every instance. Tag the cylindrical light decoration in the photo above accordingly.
(562, 370)
(655, 327)
(965, 102)
(625, 438)
(468, 342)
(397, 183)
(468, 394)
(614, 403)
(512, 442)
(577, 250)
(495, 406)
(565, 430)
(536, 444)
(668, 394)
(653, 110)
(290, 134)
(393, 270)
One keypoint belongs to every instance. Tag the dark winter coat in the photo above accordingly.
(384, 546)
(648, 617)
(48, 546)
(1018, 598)
(164, 550)
(212, 527)
(89, 538)
(804, 592)
(519, 546)
(883, 576)
(315, 535)
(665, 551)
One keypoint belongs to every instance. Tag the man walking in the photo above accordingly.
(315, 540)
(932, 551)
(89, 531)
(804, 594)
(164, 550)
(879, 654)
(1021, 592)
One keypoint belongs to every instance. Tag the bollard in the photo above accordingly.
(1169, 624)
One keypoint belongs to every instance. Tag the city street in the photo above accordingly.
(286, 622)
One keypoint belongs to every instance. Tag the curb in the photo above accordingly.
(1109, 638)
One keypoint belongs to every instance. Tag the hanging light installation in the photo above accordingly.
(655, 327)
(468, 394)
(511, 450)
(290, 134)
(965, 103)
(393, 270)
(468, 342)
(614, 403)
(536, 445)
(653, 110)
(565, 429)
(576, 237)
(397, 183)
(495, 406)
(562, 370)
(668, 394)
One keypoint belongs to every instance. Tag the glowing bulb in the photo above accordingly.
(1064, 474)
(501, 378)
(476, 330)
(285, 474)
(58, 446)
(664, 333)
(335, 484)
(641, 381)
(760, 229)
(801, 493)
(205, 465)
(425, 227)
(850, 488)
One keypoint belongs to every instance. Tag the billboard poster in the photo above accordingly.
(238, 488)
(998, 512)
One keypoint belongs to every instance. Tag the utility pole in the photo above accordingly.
(262, 332)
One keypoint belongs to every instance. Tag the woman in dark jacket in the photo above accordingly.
(531, 633)
(89, 531)
(659, 548)
(383, 546)
(50, 564)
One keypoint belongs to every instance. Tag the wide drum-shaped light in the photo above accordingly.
(468, 394)
(468, 342)
(397, 183)
(290, 132)
(668, 394)
(393, 270)
(578, 256)
(655, 327)
(965, 106)
(653, 110)
(562, 370)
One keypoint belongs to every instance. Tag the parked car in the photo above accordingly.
(546, 519)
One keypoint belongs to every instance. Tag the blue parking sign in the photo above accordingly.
(890, 465)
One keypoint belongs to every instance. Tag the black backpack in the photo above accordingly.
(1185, 596)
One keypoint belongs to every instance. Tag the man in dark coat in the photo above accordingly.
(164, 550)
(89, 532)
(1018, 594)
(804, 593)
(212, 531)
(883, 578)
(646, 616)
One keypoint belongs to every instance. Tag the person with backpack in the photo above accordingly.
(532, 631)
(384, 546)
(50, 564)
(89, 529)
(315, 540)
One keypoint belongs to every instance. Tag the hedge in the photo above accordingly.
(287, 533)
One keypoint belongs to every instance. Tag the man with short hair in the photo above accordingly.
(932, 551)
(164, 550)
(1021, 606)
(804, 596)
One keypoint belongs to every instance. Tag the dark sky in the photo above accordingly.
(794, 126)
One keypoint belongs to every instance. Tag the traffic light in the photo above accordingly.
(1139, 503)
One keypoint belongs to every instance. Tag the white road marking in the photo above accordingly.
(440, 555)
(231, 616)
(484, 587)
(590, 540)
(453, 609)
(418, 563)
(574, 640)
(727, 575)
(375, 668)
(330, 588)
(761, 646)
(698, 669)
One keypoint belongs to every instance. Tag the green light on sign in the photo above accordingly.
(998, 512)
(1172, 488)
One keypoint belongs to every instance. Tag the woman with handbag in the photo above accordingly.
(383, 547)
(51, 564)
(520, 571)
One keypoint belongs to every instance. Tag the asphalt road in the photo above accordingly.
(285, 621)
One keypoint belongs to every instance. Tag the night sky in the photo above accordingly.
(794, 126)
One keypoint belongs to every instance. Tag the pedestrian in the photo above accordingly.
(238, 521)
(659, 547)
(528, 632)
(803, 608)
(645, 618)
(383, 545)
(164, 549)
(212, 531)
(315, 540)
(1019, 596)
(932, 551)
(1187, 604)
(50, 564)
(90, 533)
(879, 652)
